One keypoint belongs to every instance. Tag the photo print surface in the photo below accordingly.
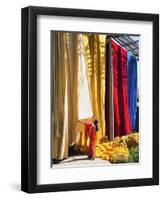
(94, 99)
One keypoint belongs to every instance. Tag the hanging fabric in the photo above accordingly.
(116, 83)
(122, 125)
(95, 48)
(132, 87)
(59, 97)
(109, 109)
(85, 112)
(123, 94)
(65, 95)
(92, 78)
(84, 101)
(71, 97)
(72, 83)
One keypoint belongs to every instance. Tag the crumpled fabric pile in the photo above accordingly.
(121, 150)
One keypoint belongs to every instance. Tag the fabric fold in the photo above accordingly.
(122, 124)
(116, 87)
(72, 62)
(109, 107)
(59, 97)
(94, 48)
(123, 94)
(132, 87)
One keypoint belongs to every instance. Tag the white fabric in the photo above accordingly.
(84, 103)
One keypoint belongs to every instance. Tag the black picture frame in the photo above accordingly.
(29, 98)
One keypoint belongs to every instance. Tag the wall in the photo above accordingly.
(10, 118)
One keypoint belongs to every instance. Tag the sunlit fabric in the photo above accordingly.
(84, 101)
(65, 96)
(59, 97)
(93, 77)
(71, 95)
(95, 46)
(132, 87)
(72, 62)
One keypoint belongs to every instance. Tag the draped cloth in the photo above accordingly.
(79, 93)
(70, 91)
(95, 48)
(64, 92)
(84, 100)
(132, 87)
(123, 94)
(116, 83)
(109, 109)
(72, 84)
(85, 112)
(59, 96)
(122, 124)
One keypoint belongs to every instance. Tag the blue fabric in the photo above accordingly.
(132, 87)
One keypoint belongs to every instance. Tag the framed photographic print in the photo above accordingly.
(90, 99)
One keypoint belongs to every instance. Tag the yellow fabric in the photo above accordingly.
(59, 96)
(72, 84)
(95, 48)
(65, 63)
(114, 154)
(64, 96)
(117, 150)
(81, 142)
(80, 130)
(85, 113)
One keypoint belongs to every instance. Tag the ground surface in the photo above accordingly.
(81, 160)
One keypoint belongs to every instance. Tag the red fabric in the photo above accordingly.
(123, 94)
(122, 125)
(91, 133)
(115, 65)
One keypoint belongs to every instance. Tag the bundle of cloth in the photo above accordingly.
(120, 150)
